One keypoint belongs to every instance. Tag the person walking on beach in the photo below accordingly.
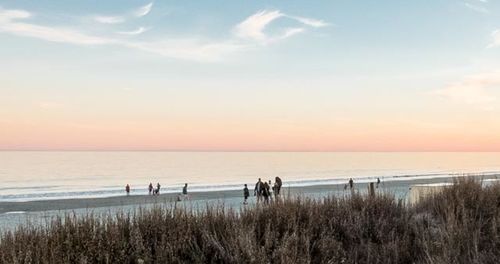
(378, 182)
(127, 189)
(259, 187)
(265, 192)
(185, 191)
(246, 194)
(157, 191)
(277, 183)
(351, 183)
(150, 188)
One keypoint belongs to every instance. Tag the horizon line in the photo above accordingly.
(249, 151)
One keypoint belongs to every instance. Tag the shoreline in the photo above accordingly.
(395, 187)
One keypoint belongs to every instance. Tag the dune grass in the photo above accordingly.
(459, 225)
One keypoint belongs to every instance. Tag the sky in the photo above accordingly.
(332, 75)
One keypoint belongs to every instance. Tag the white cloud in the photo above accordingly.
(16, 22)
(477, 8)
(286, 34)
(188, 49)
(9, 23)
(109, 19)
(7, 15)
(139, 12)
(254, 26)
(143, 10)
(496, 38)
(473, 89)
(138, 31)
(310, 21)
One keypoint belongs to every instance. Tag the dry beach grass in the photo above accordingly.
(459, 225)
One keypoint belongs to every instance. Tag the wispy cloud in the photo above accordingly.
(138, 31)
(310, 21)
(473, 90)
(9, 22)
(477, 8)
(496, 39)
(178, 48)
(143, 10)
(254, 26)
(117, 19)
(109, 19)
(18, 22)
(189, 49)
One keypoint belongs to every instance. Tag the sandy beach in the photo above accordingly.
(38, 212)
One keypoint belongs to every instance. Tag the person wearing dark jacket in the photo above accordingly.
(278, 183)
(157, 191)
(266, 193)
(246, 194)
(150, 188)
(185, 195)
(259, 188)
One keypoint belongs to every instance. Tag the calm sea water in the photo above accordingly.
(53, 175)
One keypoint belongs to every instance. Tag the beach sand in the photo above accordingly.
(40, 212)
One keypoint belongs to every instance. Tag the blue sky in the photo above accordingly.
(302, 68)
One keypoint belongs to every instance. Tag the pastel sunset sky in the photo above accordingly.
(332, 75)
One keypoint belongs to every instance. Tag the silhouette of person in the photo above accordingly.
(246, 194)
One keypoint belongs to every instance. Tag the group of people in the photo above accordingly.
(351, 184)
(264, 191)
(156, 191)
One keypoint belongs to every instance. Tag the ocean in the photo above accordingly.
(45, 175)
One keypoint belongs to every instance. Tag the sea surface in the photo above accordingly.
(45, 175)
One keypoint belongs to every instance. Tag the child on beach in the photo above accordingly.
(150, 188)
(127, 189)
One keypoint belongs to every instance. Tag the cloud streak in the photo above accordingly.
(109, 19)
(9, 22)
(117, 19)
(477, 8)
(253, 27)
(496, 39)
(138, 31)
(186, 48)
(17, 22)
(143, 10)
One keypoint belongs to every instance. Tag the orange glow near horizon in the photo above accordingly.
(247, 135)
